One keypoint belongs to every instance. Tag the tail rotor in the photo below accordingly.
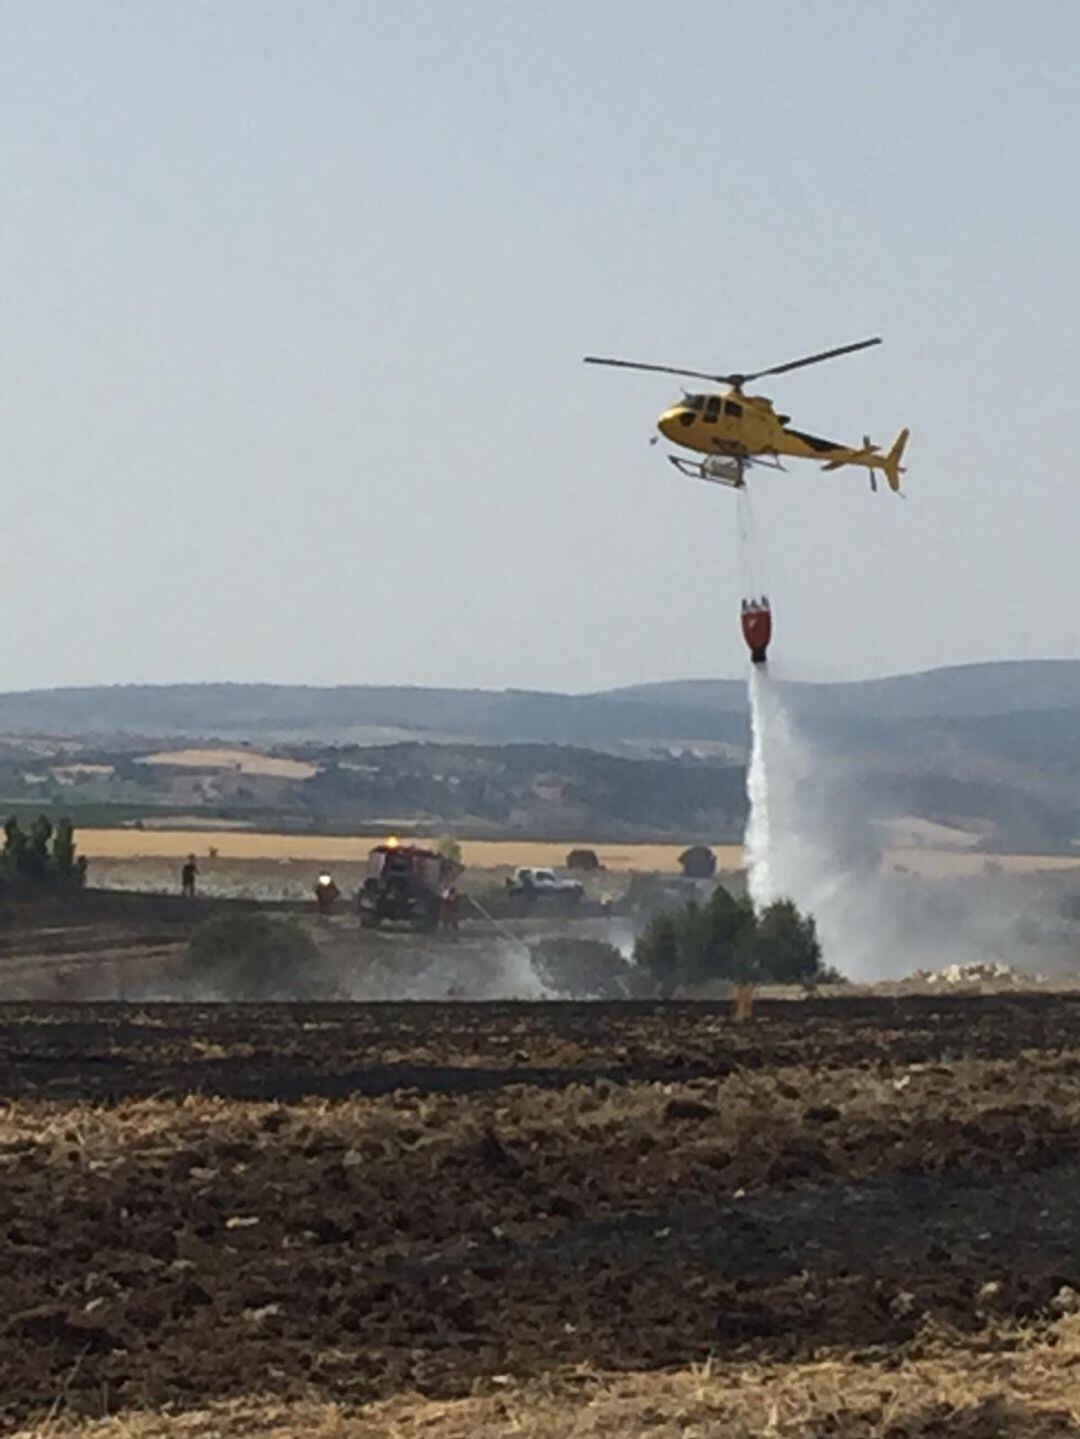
(873, 477)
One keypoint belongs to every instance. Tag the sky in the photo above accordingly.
(295, 296)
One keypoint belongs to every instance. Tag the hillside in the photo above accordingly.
(361, 713)
(993, 748)
(956, 692)
(678, 710)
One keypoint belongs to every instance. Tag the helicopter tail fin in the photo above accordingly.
(891, 462)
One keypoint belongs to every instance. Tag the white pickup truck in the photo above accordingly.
(530, 883)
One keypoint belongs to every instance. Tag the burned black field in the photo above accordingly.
(341, 1204)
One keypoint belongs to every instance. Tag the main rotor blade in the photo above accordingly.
(662, 369)
(738, 380)
(813, 359)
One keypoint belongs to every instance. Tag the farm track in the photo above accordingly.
(339, 1204)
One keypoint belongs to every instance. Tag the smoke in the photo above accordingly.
(810, 838)
(463, 971)
(339, 969)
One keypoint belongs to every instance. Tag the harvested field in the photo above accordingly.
(172, 845)
(846, 1217)
(239, 844)
(242, 761)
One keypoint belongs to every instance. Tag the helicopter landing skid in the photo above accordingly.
(715, 469)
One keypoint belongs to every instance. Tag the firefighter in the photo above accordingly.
(448, 909)
(187, 877)
(326, 892)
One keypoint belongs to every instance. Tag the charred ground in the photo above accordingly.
(337, 1205)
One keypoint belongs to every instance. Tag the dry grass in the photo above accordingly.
(1019, 1384)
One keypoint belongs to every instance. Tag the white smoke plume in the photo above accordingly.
(810, 839)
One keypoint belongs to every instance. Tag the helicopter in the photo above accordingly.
(734, 430)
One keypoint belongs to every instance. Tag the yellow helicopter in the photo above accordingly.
(734, 430)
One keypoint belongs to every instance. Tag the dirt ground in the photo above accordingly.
(100, 945)
(848, 1217)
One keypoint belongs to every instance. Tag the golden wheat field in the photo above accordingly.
(505, 854)
(477, 854)
(165, 844)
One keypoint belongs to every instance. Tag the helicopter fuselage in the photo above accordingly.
(738, 424)
(744, 426)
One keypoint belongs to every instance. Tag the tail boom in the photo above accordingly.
(872, 459)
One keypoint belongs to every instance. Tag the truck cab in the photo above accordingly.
(529, 882)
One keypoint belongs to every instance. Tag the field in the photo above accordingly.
(150, 857)
(118, 844)
(846, 1217)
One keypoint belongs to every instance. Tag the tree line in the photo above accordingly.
(41, 856)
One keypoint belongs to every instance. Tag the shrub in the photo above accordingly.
(698, 862)
(586, 860)
(586, 968)
(657, 952)
(252, 956)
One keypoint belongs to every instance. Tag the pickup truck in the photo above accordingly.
(530, 883)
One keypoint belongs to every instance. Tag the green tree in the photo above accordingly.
(65, 868)
(725, 920)
(449, 848)
(657, 952)
(63, 849)
(13, 861)
(725, 938)
(787, 944)
(44, 857)
(36, 853)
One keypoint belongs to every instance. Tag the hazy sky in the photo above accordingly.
(295, 297)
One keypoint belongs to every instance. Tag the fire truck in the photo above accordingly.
(404, 885)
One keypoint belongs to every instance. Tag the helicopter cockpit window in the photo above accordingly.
(732, 408)
(712, 409)
(690, 408)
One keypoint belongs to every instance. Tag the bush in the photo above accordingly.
(251, 956)
(586, 860)
(585, 968)
(727, 939)
(698, 862)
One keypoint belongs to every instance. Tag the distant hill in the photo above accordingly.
(960, 691)
(355, 713)
(993, 747)
(677, 710)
